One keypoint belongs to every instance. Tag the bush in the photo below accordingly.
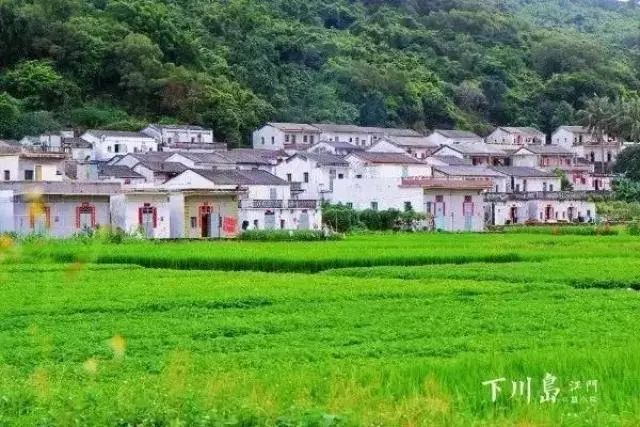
(289, 235)
(633, 228)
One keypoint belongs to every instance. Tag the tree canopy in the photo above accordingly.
(233, 64)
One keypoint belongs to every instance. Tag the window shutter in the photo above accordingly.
(155, 218)
(140, 216)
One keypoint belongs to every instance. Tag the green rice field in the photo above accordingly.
(373, 330)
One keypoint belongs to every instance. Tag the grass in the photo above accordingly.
(87, 339)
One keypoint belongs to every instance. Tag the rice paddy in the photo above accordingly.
(397, 330)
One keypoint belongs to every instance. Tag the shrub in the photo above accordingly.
(633, 228)
(289, 235)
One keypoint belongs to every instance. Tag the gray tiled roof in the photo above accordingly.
(178, 127)
(118, 171)
(549, 149)
(521, 171)
(62, 187)
(203, 157)
(294, 127)
(324, 159)
(467, 171)
(456, 134)
(411, 141)
(168, 167)
(522, 129)
(477, 149)
(240, 177)
(98, 133)
(395, 158)
(343, 145)
(575, 129)
(453, 160)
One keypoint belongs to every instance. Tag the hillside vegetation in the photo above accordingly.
(233, 64)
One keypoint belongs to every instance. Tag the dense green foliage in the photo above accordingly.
(343, 219)
(232, 64)
(103, 344)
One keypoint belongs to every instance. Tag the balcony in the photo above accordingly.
(296, 186)
(303, 204)
(544, 195)
(262, 204)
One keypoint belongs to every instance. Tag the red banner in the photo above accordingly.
(229, 225)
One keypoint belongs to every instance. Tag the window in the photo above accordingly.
(305, 139)
(282, 224)
(287, 138)
(262, 140)
(116, 148)
(7, 175)
(194, 222)
(193, 139)
(289, 177)
(256, 224)
(359, 176)
(550, 187)
(199, 137)
(517, 188)
(468, 199)
(524, 185)
(350, 139)
(544, 186)
(357, 140)
(311, 139)
(337, 138)
(108, 149)
(350, 205)
(405, 171)
(306, 177)
(273, 193)
(374, 206)
(169, 140)
(273, 140)
(340, 176)
(429, 207)
(609, 157)
(28, 175)
(408, 207)
(293, 139)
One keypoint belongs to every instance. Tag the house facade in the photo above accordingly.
(179, 134)
(507, 135)
(146, 212)
(106, 144)
(313, 174)
(57, 209)
(447, 137)
(25, 165)
(278, 136)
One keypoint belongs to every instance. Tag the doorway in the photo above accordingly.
(513, 215)
(205, 221)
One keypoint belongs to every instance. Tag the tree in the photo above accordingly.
(598, 116)
(628, 163)
(565, 183)
(9, 115)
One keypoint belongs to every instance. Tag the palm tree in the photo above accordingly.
(600, 116)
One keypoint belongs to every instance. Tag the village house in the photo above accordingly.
(471, 173)
(122, 175)
(418, 147)
(570, 136)
(544, 156)
(200, 160)
(447, 137)
(516, 136)
(538, 207)
(77, 149)
(278, 136)
(313, 174)
(144, 211)
(447, 205)
(107, 143)
(266, 203)
(338, 148)
(524, 179)
(21, 164)
(58, 209)
(368, 164)
(362, 136)
(49, 142)
(167, 135)
(477, 154)
(132, 159)
(158, 173)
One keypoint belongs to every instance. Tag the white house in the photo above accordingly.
(132, 159)
(418, 147)
(107, 143)
(471, 173)
(314, 174)
(448, 205)
(266, 204)
(179, 134)
(277, 136)
(528, 179)
(538, 207)
(361, 136)
(337, 148)
(544, 156)
(147, 212)
(58, 209)
(507, 135)
(20, 164)
(570, 136)
(368, 164)
(476, 154)
(447, 137)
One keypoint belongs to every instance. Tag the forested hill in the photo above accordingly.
(233, 64)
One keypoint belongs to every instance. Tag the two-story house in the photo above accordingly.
(108, 143)
(508, 135)
(447, 137)
(278, 136)
(313, 174)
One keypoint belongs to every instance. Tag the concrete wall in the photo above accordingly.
(124, 212)
(535, 210)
